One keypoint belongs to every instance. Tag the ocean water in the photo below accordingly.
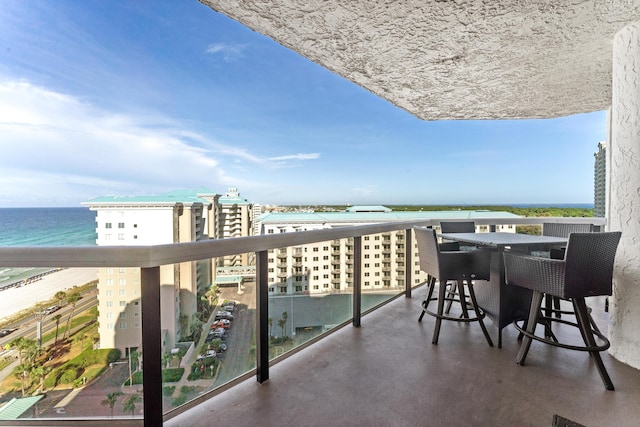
(43, 227)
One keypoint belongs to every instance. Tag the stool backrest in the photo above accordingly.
(428, 250)
(589, 263)
(558, 229)
(458, 226)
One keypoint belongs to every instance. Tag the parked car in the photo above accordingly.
(223, 315)
(222, 348)
(222, 323)
(209, 353)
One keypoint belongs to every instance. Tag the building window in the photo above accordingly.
(298, 288)
(136, 325)
(123, 325)
(122, 270)
(271, 289)
(107, 237)
(109, 293)
(135, 225)
(122, 282)
(109, 326)
(109, 303)
(122, 303)
(122, 292)
(109, 282)
(120, 236)
(135, 236)
(107, 225)
(123, 315)
(121, 225)
(109, 270)
(109, 315)
(316, 287)
(283, 289)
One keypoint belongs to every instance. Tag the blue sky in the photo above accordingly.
(140, 98)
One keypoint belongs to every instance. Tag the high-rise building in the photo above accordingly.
(234, 218)
(600, 181)
(328, 266)
(179, 216)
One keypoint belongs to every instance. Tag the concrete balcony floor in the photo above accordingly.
(387, 373)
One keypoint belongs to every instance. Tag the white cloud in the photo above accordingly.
(229, 52)
(299, 156)
(60, 150)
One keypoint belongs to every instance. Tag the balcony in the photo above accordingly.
(373, 367)
(388, 373)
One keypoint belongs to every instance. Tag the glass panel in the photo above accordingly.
(217, 341)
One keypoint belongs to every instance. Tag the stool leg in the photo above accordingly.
(425, 303)
(479, 313)
(536, 302)
(451, 294)
(442, 289)
(582, 315)
(463, 299)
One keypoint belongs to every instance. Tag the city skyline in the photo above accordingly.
(128, 99)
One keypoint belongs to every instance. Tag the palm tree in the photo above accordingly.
(111, 400)
(40, 372)
(130, 403)
(72, 298)
(282, 323)
(21, 373)
(60, 296)
(285, 316)
(57, 317)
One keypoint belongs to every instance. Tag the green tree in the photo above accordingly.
(57, 317)
(60, 296)
(73, 299)
(282, 323)
(111, 400)
(40, 372)
(166, 358)
(285, 316)
(212, 294)
(21, 372)
(130, 403)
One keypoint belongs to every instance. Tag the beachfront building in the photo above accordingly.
(327, 267)
(600, 181)
(233, 218)
(179, 216)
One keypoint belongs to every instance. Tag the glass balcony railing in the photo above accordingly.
(146, 340)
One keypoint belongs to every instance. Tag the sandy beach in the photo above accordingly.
(15, 299)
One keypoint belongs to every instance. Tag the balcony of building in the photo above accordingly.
(378, 366)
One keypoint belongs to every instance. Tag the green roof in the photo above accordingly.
(18, 406)
(170, 198)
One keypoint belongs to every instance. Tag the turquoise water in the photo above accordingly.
(43, 227)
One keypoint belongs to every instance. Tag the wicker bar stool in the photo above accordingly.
(560, 229)
(456, 266)
(586, 270)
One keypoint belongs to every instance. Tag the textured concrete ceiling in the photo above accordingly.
(438, 59)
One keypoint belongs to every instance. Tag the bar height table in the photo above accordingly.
(503, 304)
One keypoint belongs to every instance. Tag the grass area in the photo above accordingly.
(170, 375)
(70, 363)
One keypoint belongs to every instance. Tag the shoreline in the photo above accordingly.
(18, 298)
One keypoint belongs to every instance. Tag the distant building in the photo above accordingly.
(328, 266)
(599, 181)
(179, 216)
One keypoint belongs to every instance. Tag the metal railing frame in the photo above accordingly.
(151, 258)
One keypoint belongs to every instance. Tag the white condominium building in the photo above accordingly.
(180, 216)
(328, 266)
